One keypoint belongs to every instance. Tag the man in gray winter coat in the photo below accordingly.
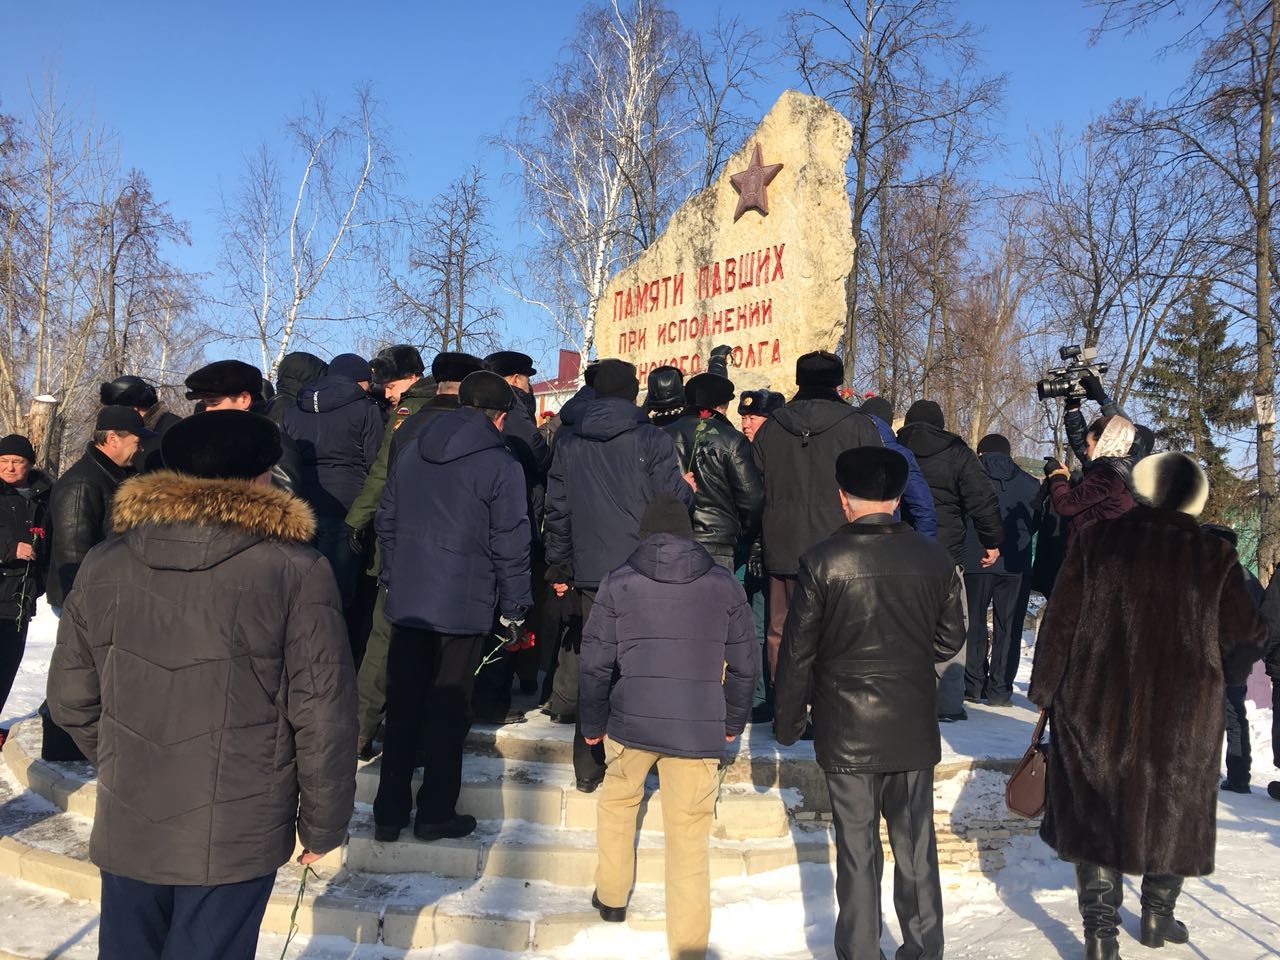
(202, 665)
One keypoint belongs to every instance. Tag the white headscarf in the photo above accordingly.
(1116, 440)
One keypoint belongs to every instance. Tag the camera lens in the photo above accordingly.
(1050, 389)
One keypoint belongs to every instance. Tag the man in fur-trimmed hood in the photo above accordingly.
(202, 665)
(1148, 619)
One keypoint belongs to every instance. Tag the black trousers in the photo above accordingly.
(429, 682)
(588, 761)
(148, 921)
(491, 696)
(13, 644)
(993, 678)
(1239, 759)
(905, 800)
(1275, 723)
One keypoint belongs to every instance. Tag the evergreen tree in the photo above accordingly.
(1194, 386)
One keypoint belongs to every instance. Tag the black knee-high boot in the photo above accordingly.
(1159, 897)
(1100, 891)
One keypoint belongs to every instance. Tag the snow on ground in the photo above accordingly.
(1025, 911)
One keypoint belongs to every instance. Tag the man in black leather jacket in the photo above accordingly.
(876, 605)
(80, 502)
(730, 491)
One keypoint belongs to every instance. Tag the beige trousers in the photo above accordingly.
(688, 794)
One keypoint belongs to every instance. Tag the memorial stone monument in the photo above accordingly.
(757, 261)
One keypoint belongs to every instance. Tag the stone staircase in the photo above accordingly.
(523, 881)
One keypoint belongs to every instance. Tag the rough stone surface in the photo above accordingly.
(771, 286)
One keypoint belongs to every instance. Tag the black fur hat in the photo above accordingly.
(508, 363)
(617, 378)
(819, 370)
(127, 392)
(1171, 481)
(454, 367)
(397, 362)
(226, 444)
(707, 391)
(666, 514)
(487, 390)
(760, 403)
(872, 473)
(224, 378)
(666, 390)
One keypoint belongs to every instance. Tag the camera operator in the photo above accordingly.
(1104, 489)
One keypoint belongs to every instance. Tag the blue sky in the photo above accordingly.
(190, 87)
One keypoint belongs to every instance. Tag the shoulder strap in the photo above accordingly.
(1038, 734)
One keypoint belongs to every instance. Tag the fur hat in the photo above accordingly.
(872, 473)
(16, 445)
(127, 392)
(510, 363)
(759, 403)
(1171, 481)
(707, 391)
(995, 443)
(454, 367)
(397, 362)
(878, 407)
(666, 514)
(819, 370)
(486, 390)
(224, 378)
(617, 378)
(225, 444)
(666, 390)
(121, 420)
(926, 411)
(351, 366)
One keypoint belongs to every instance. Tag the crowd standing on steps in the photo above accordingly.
(410, 544)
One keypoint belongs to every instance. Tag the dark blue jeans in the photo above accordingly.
(148, 921)
(331, 540)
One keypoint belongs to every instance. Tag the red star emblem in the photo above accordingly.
(751, 184)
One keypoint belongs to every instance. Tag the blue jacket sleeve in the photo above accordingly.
(557, 530)
(917, 499)
(742, 663)
(384, 525)
(509, 539)
(596, 662)
(371, 437)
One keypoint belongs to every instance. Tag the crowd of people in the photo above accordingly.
(369, 555)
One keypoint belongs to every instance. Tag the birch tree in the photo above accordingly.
(595, 153)
(299, 233)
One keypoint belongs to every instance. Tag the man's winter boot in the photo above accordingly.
(1099, 891)
(1273, 789)
(1159, 896)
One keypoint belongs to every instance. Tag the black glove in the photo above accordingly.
(1093, 389)
(358, 540)
(755, 563)
(512, 630)
(1051, 465)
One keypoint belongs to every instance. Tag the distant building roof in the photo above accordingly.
(566, 377)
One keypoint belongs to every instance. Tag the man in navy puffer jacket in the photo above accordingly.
(679, 632)
(453, 530)
(605, 469)
(338, 428)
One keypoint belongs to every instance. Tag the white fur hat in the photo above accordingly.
(1171, 481)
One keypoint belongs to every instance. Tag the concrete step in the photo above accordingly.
(742, 813)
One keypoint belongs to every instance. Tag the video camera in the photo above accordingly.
(1064, 381)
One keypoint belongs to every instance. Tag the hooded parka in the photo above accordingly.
(203, 666)
(338, 429)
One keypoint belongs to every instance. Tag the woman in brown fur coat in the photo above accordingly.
(1148, 617)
